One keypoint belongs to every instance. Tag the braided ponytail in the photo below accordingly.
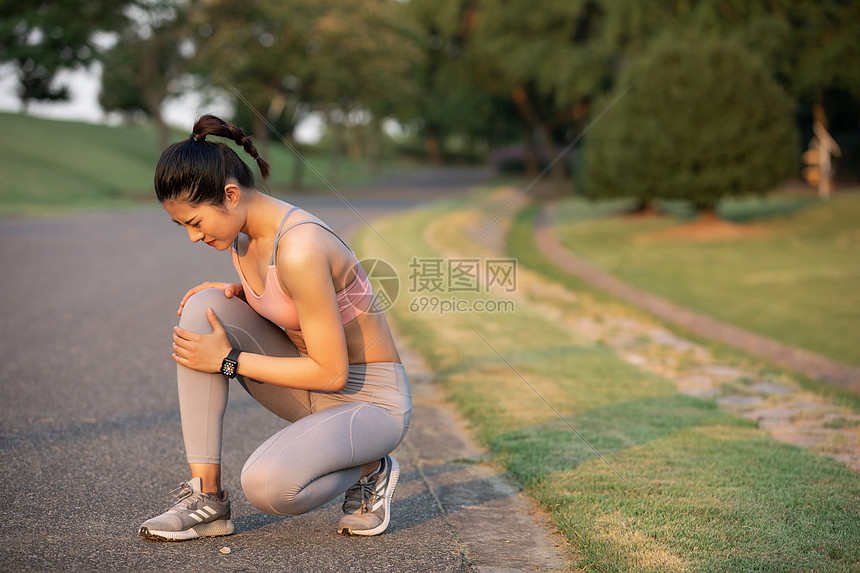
(197, 170)
(211, 125)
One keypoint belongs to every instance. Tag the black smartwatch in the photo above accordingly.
(230, 365)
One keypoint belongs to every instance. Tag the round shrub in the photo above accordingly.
(702, 120)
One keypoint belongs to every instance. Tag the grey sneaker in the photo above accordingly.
(367, 505)
(195, 514)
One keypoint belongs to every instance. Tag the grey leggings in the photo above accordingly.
(331, 434)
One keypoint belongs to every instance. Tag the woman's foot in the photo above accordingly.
(367, 505)
(195, 514)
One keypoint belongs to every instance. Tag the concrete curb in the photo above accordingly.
(499, 529)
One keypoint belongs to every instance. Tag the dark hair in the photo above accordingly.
(197, 170)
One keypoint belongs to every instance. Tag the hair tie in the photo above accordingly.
(196, 137)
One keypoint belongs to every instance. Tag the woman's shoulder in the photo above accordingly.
(306, 234)
(303, 244)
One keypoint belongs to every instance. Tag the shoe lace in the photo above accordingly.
(361, 493)
(183, 495)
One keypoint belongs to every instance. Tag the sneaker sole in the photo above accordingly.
(392, 483)
(213, 529)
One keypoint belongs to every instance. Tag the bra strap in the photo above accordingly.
(323, 225)
(280, 234)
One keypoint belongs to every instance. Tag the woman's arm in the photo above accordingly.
(307, 275)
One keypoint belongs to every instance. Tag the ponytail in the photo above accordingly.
(197, 170)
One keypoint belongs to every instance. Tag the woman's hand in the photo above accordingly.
(203, 352)
(230, 290)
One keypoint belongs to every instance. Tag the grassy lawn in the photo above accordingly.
(788, 269)
(679, 484)
(51, 166)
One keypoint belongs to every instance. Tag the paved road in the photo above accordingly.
(90, 443)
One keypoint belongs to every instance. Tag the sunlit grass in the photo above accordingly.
(792, 272)
(51, 166)
(678, 485)
(520, 243)
(711, 498)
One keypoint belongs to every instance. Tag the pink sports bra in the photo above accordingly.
(274, 304)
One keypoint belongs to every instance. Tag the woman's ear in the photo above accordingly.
(232, 194)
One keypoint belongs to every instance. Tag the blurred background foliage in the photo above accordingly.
(745, 140)
(737, 83)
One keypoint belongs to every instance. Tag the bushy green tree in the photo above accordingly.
(42, 38)
(810, 48)
(448, 102)
(702, 120)
(283, 60)
(258, 53)
(543, 56)
(141, 70)
(363, 52)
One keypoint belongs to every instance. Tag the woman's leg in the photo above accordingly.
(317, 458)
(203, 397)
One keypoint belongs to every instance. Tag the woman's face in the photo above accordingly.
(218, 227)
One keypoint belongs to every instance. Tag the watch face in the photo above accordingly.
(228, 368)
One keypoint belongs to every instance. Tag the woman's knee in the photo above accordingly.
(194, 311)
(201, 300)
(254, 485)
(268, 496)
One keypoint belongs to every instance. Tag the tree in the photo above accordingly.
(810, 48)
(141, 70)
(362, 54)
(41, 38)
(449, 100)
(702, 120)
(542, 56)
(258, 52)
(285, 59)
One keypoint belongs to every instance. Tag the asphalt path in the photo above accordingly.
(90, 441)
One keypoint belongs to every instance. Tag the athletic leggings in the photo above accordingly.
(330, 436)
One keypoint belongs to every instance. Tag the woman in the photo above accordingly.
(296, 332)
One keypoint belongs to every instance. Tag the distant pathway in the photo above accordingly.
(799, 360)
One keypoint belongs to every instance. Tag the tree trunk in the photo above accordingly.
(644, 206)
(374, 147)
(298, 164)
(335, 156)
(431, 145)
(356, 141)
(471, 146)
(707, 213)
(530, 149)
(153, 99)
(551, 153)
(162, 129)
(527, 116)
(261, 136)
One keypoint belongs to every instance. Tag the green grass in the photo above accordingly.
(520, 243)
(51, 166)
(680, 486)
(54, 166)
(794, 275)
(711, 498)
